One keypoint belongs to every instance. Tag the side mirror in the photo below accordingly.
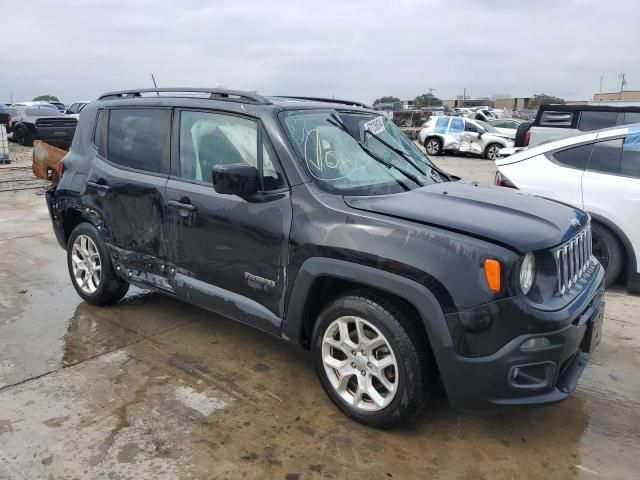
(480, 134)
(236, 179)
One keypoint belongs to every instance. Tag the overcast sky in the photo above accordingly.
(355, 49)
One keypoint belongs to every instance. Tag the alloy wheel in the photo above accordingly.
(360, 363)
(492, 153)
(86, 264)
(432, 147)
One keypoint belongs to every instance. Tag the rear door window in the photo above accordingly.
(576, 157)
(138, 138)
(606, 157)
(590, 121)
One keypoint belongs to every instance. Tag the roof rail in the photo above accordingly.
(328, 100)
(214, 94)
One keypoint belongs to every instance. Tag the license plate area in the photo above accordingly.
(594, 331)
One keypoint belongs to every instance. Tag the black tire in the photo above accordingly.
(491, 152)
(433, 146)
(608, 250)
(523, 128)
(111, 288)
(23, 137)
(416, 371)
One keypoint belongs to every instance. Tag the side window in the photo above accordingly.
(442, 123)
(590, 121)
(606, 157)
(551, 118)
(73, 108)
(470, 127)
(137, 138)
(576, 157)
(456, 125)
(98, 133)
(631, 117)
(209, 139)
(630, 163)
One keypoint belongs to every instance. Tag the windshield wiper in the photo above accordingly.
(399, 151)
(338, 124)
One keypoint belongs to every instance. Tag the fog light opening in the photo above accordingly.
(535, 344)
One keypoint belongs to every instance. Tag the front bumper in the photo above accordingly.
(515, 376)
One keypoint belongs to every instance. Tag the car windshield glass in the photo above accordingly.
(49, 112)
(488, 127)
(342, 158)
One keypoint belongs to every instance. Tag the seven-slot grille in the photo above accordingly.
(572, 260)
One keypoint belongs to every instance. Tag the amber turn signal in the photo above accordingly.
(492, 274)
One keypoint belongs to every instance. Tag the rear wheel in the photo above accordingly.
(608, 250)
(23, 137)
(90, 267)
(433, 146)
(372, 359)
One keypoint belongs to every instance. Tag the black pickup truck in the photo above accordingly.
(31, 123)
(320, 222)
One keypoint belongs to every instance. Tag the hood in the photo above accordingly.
(501, 215)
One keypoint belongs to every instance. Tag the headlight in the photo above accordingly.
(527, 273)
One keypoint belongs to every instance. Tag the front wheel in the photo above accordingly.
(372, 359)
(90, 267)
(491, 152)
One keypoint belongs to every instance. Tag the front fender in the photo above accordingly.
(417, 295)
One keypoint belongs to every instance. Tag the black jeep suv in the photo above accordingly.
(319, 222)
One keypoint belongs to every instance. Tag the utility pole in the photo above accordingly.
(464, 97)
(155, 85)
(622, 83)
(430, 96)
(600, 95)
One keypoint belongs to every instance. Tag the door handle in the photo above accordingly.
(181, 206)
(99, 186)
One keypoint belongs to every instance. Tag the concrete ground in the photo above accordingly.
(155, 389)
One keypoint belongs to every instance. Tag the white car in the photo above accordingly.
(74, 109)
(598, 172)
(458, 134)
(508, 126)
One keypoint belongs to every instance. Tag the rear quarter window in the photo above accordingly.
(630, 162)
(558, 119)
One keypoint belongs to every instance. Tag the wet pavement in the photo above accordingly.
(156, 389)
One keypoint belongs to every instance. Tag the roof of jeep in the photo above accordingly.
(234, 99)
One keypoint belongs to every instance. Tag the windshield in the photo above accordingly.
(487, 126)
(343, 158)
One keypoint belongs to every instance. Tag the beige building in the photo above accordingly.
(625, 96)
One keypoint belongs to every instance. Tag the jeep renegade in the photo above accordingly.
(320, 222)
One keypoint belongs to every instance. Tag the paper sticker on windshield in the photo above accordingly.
(375, 126)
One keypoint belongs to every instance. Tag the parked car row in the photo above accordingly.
(51, 122)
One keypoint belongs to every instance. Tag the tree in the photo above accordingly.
(543, 99)
(427, 100)
(46, 98)
(388, 99)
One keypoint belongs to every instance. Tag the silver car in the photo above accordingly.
(458, 134)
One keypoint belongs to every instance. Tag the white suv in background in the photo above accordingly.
(465, 135)
(598, 172)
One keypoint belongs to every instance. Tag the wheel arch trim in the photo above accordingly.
(314, 268)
